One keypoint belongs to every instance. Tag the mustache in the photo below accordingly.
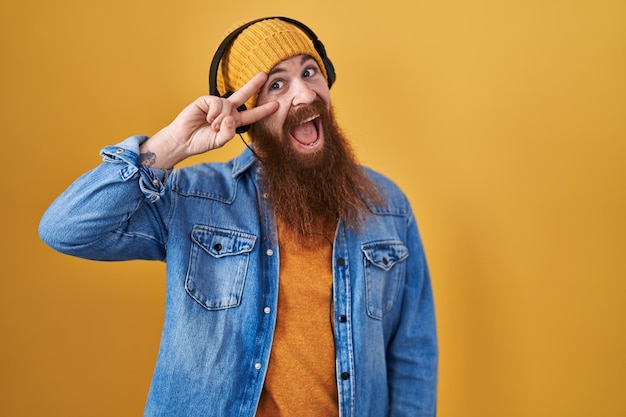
(305, 112)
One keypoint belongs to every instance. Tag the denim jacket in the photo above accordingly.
(213, 226)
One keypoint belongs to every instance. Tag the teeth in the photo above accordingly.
(310, 118)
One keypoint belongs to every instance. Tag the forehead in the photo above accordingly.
(294, 61)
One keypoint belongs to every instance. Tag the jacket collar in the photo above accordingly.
(243, 162)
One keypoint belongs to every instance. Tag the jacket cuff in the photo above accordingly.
(151, 180)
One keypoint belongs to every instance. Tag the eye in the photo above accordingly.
(309, 72)
(275, 85)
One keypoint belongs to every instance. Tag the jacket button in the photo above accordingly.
(345, 375)
(217, 247)
(343, 319)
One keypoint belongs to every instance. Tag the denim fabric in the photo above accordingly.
(213, 226)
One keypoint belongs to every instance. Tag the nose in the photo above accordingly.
(302, 94)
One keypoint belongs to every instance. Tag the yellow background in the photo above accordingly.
(504, 122)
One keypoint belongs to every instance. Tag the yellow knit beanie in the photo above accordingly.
(259, 48)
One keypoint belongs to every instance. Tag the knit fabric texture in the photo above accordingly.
(259, 48)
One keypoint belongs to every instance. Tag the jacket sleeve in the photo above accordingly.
(413, 352)
(116, 211)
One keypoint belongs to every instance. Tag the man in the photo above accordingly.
(296, 279)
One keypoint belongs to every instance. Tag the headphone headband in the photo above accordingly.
(221, 50)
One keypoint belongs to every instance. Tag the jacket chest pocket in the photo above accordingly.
(218, 264)
(384, 273)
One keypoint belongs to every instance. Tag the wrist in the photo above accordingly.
(159, 152)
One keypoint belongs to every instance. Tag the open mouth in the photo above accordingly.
(307, 133)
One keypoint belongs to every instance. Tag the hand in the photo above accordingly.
(207, 123)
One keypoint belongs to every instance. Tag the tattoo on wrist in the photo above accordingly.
(147, 159)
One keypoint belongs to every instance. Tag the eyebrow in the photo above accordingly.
(278, 68)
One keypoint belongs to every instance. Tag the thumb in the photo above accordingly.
(226, 131)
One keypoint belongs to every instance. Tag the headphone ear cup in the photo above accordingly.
(244, 128)
(328, 65)
(330, 71)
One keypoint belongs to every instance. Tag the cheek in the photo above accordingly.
(271, 125)
(275, 121)
(325, 97)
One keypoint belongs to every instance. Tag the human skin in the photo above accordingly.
(210, 121)
(206, 124)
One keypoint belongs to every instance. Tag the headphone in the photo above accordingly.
(221, 50)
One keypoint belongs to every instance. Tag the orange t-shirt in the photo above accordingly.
(300, 377)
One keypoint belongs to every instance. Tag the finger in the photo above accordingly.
(225, 110)
(248, 117)
(214, 110)
(242, 95)
(226, 131)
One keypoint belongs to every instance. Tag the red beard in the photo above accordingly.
(310, 192)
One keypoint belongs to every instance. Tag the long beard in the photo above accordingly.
(311, 192)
